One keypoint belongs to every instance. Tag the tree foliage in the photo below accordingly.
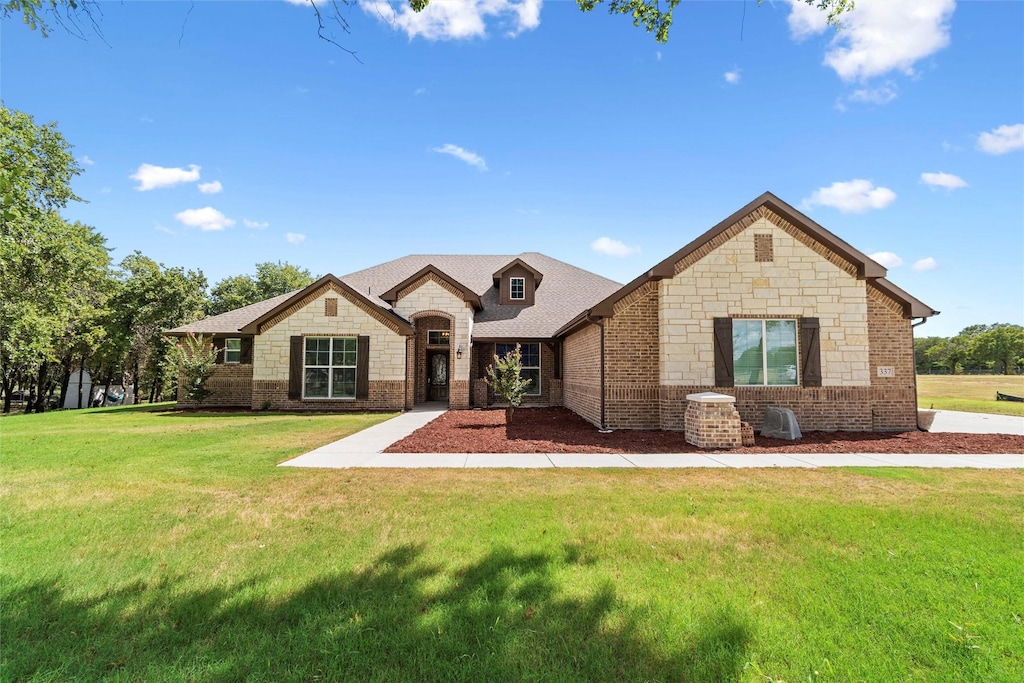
(195, 358)
(997, 348)
(271, 279)
(504, 378)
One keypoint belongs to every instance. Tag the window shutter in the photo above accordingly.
(295, 369)
(810, 352)
(723, 353)
(363, 366)
(246, 354)
(219, 358)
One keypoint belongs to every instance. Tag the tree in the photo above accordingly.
(1001, 345)
(654, 16)
(195, 358)
(271, 279)
(503, 377)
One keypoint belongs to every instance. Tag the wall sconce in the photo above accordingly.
(458, 352)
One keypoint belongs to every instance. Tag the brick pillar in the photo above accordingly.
(712, 421)
(555, 392)
(480, 393)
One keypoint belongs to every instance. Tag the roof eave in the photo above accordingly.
(468, 295)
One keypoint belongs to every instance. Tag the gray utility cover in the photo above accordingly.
(780, 423)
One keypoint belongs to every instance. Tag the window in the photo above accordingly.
(517, 288)
(438, 337)
(232, 350)
(764, 352)
(330, 368)
(531, 362)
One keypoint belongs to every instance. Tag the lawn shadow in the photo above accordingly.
(401, 618)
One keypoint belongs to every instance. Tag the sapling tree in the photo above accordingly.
(195, 359)
(503, 377)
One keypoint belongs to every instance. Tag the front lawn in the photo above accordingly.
(970, 393)
(145, 545)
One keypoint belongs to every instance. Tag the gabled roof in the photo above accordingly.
(912, 308)
(401, 325)
(468, 295)
(231, 322)
(537, 275)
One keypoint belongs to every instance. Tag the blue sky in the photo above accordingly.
(228, 134)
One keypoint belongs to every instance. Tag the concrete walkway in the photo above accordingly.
(365, 449)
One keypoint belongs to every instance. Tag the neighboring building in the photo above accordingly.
(767, 306)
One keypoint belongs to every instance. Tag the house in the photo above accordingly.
(767, 306)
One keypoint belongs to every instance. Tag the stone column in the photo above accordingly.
(712, 421)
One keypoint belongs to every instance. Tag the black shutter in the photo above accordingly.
(219, 358)
(723, 353)
(363, 367)
(295, 368)
(810, 352)
(245, 357)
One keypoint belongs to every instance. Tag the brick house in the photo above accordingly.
(767, 306)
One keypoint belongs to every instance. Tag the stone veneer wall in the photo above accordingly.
(631, 362)
(230, 386)
(271, 355)
(431, 296)
(581, 373)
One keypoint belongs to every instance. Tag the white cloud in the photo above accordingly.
(946, 180)
(471, 158)
(887, 259)
(732, 77)
(927, 263)
(657, 55)
(419, 91)
(883, 94)
(610, 247)
(295, 237)
(163, 229)
(852, 196)
(206, 219)
(210, 188)
(1002, 139)
(86, 161)
(255, 225)
(106, 190)
(457, 19)
(151, 177)
(878, 36)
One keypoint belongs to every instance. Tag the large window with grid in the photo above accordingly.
(329, 370)
(531, 363)
(764, 352)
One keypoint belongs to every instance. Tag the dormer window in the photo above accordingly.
(517, 288)
(517, 283)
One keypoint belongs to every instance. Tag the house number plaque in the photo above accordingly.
(886, 371)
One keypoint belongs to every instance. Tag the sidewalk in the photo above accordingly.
(365, 449)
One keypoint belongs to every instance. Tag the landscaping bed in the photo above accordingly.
(558, 430)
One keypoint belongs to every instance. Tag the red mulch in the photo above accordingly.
(558, 430)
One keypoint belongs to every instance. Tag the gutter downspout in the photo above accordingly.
(913, 354)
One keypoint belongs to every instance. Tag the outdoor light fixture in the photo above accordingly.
(458, 352)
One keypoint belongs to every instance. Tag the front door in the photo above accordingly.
(437, 376)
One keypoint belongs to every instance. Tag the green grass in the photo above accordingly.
(157, 546)
(971, 393)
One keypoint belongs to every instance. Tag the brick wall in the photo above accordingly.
(425, 323)
(384, 395)
(894, 399)
(581, 373)
(230, 386)
(483, 355)
(631, 361)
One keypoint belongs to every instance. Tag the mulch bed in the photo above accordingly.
(558, 430)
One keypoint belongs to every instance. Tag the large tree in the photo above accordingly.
(271, 279)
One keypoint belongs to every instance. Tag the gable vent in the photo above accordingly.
(331, 307)
(763, 250)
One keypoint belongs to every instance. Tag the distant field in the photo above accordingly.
(972, 393)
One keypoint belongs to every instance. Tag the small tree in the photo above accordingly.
(195, 360)
(504, 379)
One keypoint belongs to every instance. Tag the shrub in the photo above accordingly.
(503, 377)
(195, 360)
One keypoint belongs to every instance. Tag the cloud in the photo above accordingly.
(883, 94)
(732, 77)
(106, 190)
(657, 55)
(210, 188)
(927, 263)
(887, 259)
(206, 219)
(852, 196)
(946, 180)
(457, 20)
(610, 247)
(86, 161)
(471, 158)
(163, 229)
(295, 237)
(878, 36)
(151, 177)
(255, 225)
(419, 91)
(1002, 139)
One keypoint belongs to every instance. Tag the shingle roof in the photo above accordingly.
(232, 321)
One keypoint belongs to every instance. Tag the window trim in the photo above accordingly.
(330, 367)
(511, 289)
(227, 343)
(529, 392)
(764, 351)
(445, 334)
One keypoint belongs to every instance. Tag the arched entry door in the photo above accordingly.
(437, 376)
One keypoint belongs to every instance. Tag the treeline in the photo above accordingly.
(65, 305)
(978, 349)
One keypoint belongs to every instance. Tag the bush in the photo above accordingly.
(195, 360)
(503, 377)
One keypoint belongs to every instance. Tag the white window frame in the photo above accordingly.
(764, 351)
(535, 388)
(228, 350)
(330, 367)
(512, 289)
(444, 334)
